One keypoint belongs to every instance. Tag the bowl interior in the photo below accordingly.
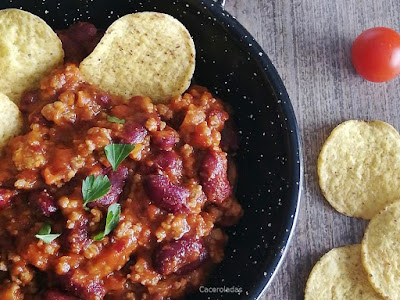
(232, 65)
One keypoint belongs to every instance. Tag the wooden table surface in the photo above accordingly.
(309, 43)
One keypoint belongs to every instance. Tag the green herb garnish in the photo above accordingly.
(113, 212)
(116, 153)
(113, 119)
(45, 235)
(95, 187)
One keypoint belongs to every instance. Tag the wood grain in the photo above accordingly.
(309, 43)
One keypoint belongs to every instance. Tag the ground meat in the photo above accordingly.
(172, 188)
(10, 291)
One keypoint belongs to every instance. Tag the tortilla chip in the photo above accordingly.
(358, 167)
(339, 274)
(10, 120)
(380, 251)
(143, 54)
(29, 50)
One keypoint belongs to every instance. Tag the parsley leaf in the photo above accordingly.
(45, 235)
(113, 119)
(113, 212)
(116, 153)
(95, 187)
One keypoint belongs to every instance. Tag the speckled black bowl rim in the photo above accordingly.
(274, 80)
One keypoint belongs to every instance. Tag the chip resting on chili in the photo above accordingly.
(359, 167)
(10, 120)
(143, 54)
(339, 274)
(381, 251)
(29, 50)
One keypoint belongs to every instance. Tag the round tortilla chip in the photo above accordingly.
(339, 274)
(29, 50)
(10, 120)
(380, 251)
(358, 167)
(143, 54)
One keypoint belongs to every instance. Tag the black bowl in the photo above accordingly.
(234, 67)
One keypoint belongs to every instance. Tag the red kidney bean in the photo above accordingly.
(44, 202)
(73, 51)
(38, 118)
(82, 286)
(168, 160)
(79, 40)
(164, 161)
(76, 238)
(57, 295)
(194, 265)
(133, 133)
(117, 179)
(6, 196)
(142, 117)
(177, 119)
(103, 100)
(82, 32)
(165, 194)
(213, 176)
(176, 255)
(28, 98)
(165, 139)
(29, 105)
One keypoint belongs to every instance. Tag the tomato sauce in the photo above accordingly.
(173, 188)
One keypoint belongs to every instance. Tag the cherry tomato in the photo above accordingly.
(376, 54)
